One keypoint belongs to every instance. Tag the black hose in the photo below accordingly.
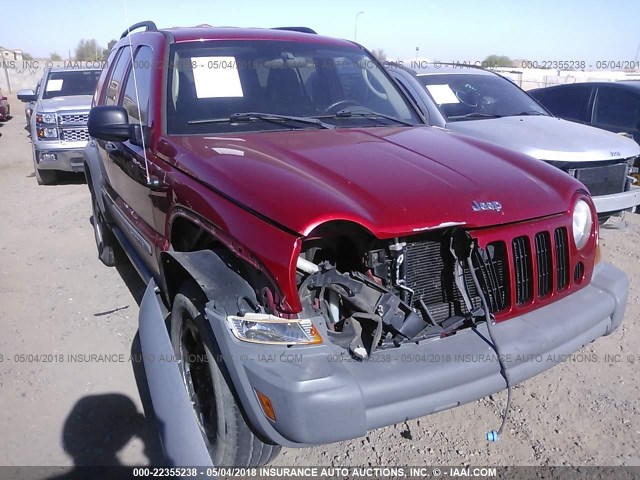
(503, 369)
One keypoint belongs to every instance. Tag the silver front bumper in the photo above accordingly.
(66, 159)
(618, 202)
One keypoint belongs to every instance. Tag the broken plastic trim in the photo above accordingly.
(464, 245)
(370, 316)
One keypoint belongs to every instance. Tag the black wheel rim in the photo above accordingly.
(197, 378)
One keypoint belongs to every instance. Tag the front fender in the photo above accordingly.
(209, 272)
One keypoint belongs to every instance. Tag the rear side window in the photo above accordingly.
(570, 102)
(136, 92)
(617, 108)
(115, 81)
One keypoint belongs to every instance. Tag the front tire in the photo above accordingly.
(229, 439)
(45, 177)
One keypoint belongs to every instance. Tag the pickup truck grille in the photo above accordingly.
(75, 134)
(73, 126)
(73, 119)
(523, 271)
(605, 179)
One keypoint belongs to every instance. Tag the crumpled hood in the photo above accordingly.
(393, 181)
(550, 138)
(75, 102)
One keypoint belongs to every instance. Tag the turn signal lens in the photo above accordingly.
(267, 408)
(47, 132)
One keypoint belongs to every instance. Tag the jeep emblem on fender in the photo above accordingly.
(478, 206)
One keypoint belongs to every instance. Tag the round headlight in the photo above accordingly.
(582, 223)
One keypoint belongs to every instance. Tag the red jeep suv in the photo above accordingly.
(320, 262)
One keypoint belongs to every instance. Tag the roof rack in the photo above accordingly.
(297, 29)
(150, 26)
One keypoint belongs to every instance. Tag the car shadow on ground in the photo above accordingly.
(137, 288)
(65, 178)
(97, 428)
(130, 276)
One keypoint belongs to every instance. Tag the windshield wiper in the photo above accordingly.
(267, 117)
(365, 114)
(475, 115)
(529, 112)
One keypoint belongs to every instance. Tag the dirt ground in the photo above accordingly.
(58, 408)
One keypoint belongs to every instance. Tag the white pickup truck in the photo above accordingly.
(58, 123)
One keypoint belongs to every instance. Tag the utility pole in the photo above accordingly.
(6, 74)
(355, 27)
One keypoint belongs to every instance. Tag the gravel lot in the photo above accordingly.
(59, 300)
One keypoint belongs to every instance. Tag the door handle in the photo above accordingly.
(110, 147)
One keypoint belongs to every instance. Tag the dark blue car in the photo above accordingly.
(613, 106)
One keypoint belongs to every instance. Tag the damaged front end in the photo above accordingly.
(380, 294)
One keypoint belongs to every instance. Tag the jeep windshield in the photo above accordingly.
(70, 83)
(240, 86)
(461, 96)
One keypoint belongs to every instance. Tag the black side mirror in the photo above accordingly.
(109, 123)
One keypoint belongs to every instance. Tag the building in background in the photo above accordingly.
(11, 54)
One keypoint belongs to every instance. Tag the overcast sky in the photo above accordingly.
(446, 30)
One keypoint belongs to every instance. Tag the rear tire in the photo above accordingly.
(229, 439)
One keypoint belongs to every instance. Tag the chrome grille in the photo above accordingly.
(73, 118)
(75, 134)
